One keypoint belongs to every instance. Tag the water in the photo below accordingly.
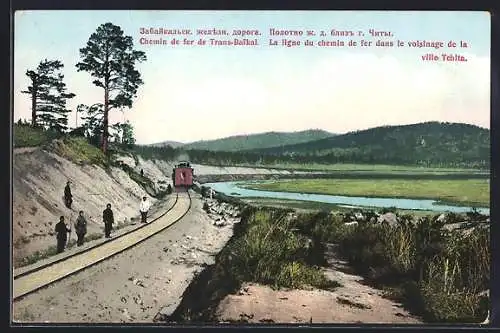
(232, 189)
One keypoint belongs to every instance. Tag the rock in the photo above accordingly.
(137, 282)
(126, 314)
(389, 218)
(348, 302)
(351, 223)
(441, 218)
(485, 293)
(138, 300)
(160, 317)
(177, 261)
(219, 223)
(359, 216)
(373, 220)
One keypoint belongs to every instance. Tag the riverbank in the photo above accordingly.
(213, 174)
(277, 256)
(234, 189)
(372, 168)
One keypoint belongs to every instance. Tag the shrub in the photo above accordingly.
(270, 252)
(443, 271)
(78, 150)
(26, 136)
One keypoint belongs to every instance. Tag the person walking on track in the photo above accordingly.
(144, 209)
(62, 234)
(80, 228)
(108, 219)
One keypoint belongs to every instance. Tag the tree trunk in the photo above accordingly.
(105, 121)
(33, 105)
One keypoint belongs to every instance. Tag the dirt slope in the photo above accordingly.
(152, 167)
(353, 302)
(39, 178)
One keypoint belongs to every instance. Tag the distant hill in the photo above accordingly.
(173, 144)
(260, 140)
(433, 142)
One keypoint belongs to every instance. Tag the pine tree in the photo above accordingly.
(128, 138)
(48, 96)
(124, 133)
(92, 121)
(109, 57)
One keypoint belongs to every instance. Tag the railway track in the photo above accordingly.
(37, 278)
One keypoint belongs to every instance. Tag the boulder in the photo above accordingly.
(389, 218)
(351, 223)
(359, 216)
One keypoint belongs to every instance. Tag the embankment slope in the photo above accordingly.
(39, 177)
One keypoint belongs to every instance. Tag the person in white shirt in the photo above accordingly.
(144, 208)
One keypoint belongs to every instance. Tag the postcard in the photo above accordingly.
(250, 167)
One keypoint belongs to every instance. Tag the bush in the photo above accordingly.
(296, 275)
(271, 253)
(78, 150)
(440, 272)
(26, 136)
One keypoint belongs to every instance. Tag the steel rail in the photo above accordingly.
(37, 268)
(45, 275)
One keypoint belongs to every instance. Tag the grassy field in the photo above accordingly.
(470, 192)
(376, 168)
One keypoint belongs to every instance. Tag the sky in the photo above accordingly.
(196, 92)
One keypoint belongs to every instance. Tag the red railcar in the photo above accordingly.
(182, 175)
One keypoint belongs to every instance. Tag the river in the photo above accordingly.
(232, 189)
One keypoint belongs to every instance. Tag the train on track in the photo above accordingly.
(182, 176)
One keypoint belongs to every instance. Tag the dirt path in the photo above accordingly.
(136, 284)
(354, 302)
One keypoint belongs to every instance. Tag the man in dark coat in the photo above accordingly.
(68, 197)
(62, 234)
(108, 219)
(80, 228)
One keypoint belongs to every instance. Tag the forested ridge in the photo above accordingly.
(427, 144)
(259, 140)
